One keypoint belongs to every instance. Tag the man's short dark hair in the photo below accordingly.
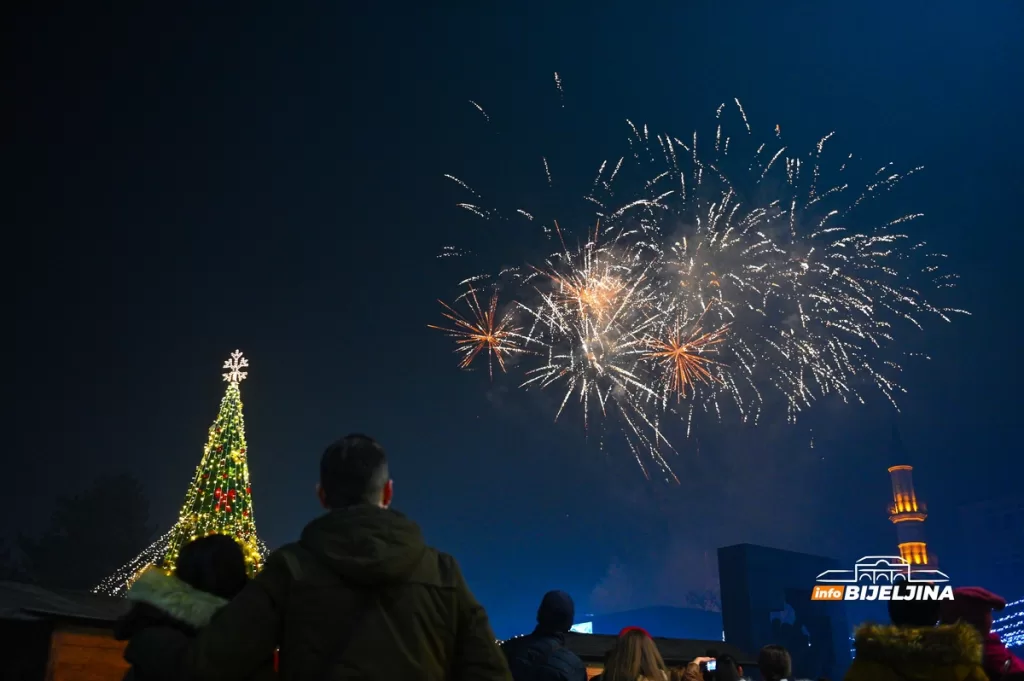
(353, 470)
(912, 613)
(726, 668)
(775, 663)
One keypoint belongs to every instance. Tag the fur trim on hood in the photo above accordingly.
(955, 644)
(175, 598)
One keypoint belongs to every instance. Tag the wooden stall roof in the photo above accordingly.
(676, 651)
(27, 601)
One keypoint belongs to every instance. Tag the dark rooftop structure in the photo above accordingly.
(30, 602)
(766, 598)
(670, 622)
(677, 651)
(58, 635)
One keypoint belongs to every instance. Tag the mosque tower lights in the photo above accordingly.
(906, 512)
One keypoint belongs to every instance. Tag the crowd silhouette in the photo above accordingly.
(360, 595)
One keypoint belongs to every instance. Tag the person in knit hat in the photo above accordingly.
(974, 605)
(542, 654)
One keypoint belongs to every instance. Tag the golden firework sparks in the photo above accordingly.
(485, 331)
(593, 283)
(764, 247)
(684, 356)
(594, 295)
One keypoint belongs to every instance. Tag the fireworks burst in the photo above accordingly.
(696, 286)
(486, 331)
(683, 356)
(590, 319)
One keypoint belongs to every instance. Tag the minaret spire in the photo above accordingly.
(897, 452)
(906, 512)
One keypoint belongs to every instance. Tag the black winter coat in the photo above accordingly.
(542, 656)
(359, 596)
(167, 613)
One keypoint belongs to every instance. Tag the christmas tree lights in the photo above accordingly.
(219, 499)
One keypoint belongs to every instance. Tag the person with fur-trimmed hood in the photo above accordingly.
(974, 606)
(209, 572)
(912, 648)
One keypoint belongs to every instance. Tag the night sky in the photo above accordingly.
(182, 184)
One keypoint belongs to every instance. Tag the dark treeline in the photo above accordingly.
(89, 536)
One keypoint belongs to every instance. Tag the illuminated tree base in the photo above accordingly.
(118, 583)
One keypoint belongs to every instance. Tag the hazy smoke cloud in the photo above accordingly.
(614, 592)
(738, 484)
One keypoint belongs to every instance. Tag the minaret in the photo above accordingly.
(906, 512)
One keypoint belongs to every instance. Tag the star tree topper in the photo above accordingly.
(235, 364)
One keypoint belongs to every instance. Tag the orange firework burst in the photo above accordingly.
(593, 295)
(591, 284)
(484, 332)
(684, 357)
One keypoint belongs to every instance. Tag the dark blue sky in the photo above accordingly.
(182, 184)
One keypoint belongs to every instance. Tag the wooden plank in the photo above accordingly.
(83, 654)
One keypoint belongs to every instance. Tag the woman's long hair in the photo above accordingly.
(690, 672)
(214, 564)
(633, 656)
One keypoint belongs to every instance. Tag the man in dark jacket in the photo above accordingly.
(542, 655)
(360, 595)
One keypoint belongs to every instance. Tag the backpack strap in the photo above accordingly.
(364, 601)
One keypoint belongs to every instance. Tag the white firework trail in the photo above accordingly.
(730, 292)
(481, 110)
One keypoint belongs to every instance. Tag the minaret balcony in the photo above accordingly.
(907, 516)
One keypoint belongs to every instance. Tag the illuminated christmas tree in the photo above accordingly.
(219, 499)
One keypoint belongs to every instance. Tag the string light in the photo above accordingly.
(218, 500)
(1010, 627)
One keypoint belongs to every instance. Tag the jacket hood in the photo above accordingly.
(911, 649)
(366, 545)
(175, 598)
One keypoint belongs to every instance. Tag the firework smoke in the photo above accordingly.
(711, 290)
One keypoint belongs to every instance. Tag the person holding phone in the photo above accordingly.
(694, 671)
(721, 668)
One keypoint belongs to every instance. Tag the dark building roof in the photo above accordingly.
(676, 651)
(28, 602)
(670, 622)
